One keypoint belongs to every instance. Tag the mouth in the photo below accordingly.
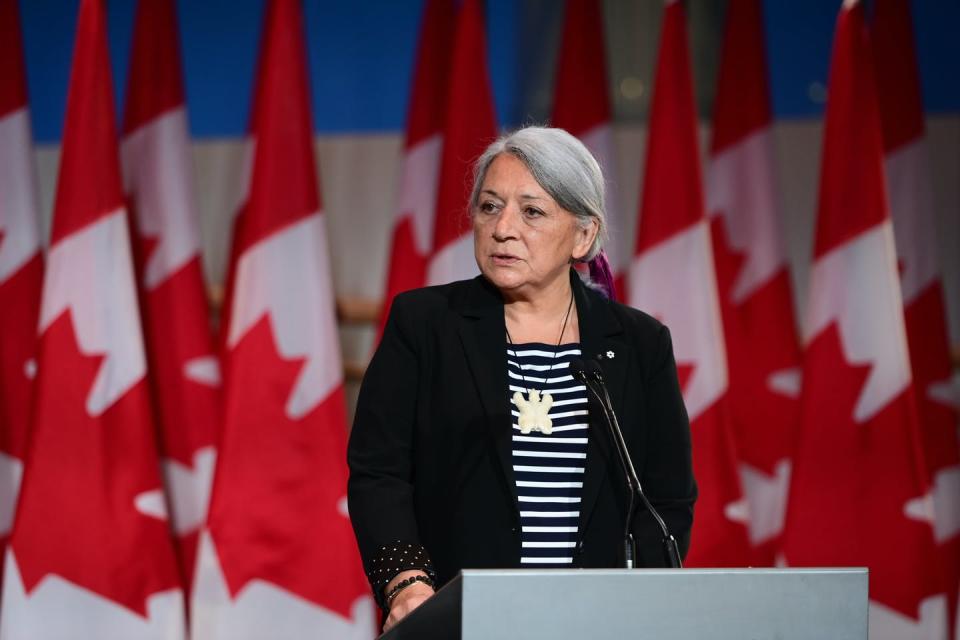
(504, 258)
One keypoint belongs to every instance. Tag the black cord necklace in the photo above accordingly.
(534, 409)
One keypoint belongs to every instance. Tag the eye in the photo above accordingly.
(533, 212)
(488, 206)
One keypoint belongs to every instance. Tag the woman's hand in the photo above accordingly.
(408, 599)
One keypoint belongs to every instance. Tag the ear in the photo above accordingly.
(584, 238)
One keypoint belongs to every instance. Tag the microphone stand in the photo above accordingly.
(670, 548)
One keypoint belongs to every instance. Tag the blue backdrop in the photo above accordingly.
(361, 56)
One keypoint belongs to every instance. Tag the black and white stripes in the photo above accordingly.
(548, 469)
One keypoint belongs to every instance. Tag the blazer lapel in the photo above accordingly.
(599, 341)
(482, 332)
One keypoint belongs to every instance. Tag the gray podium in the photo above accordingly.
(594, 604)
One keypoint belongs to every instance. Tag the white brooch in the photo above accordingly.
(534, 412)
(610, 354)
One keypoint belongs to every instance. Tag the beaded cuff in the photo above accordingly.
(393, 558)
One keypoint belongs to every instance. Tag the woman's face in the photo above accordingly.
(523, 240)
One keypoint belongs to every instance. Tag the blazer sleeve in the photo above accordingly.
(667, 476)
(380, 453)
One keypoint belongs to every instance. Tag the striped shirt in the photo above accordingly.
(548, 469)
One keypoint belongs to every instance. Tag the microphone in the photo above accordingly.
(590, 373)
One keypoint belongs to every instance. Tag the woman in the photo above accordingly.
(472, 446)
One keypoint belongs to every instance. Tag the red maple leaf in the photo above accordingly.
(729, 262)
(187, 412)
(852, 481)
(174, 316)
(77, 518)
(761, 340)
(274, 514)
(176, 331)
(20, 301)
(929, 355)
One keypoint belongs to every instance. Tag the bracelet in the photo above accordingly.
(403, 584)
(392, 559)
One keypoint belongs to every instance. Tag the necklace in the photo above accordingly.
(535, 409)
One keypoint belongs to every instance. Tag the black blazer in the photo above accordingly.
(430, 450)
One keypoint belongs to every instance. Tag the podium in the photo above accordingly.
(595, 604)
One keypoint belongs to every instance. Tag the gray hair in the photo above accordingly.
(562, 166)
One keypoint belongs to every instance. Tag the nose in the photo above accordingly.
(505, 226)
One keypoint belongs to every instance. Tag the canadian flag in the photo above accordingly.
(277, 558)
(433, 243)
(412, 234)
(582, 106)
(91, 555)
(911, 208)
(858, 495)
(469, 126)
(21, 264)
(672, 277)
(763, 354)
(155, 156)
